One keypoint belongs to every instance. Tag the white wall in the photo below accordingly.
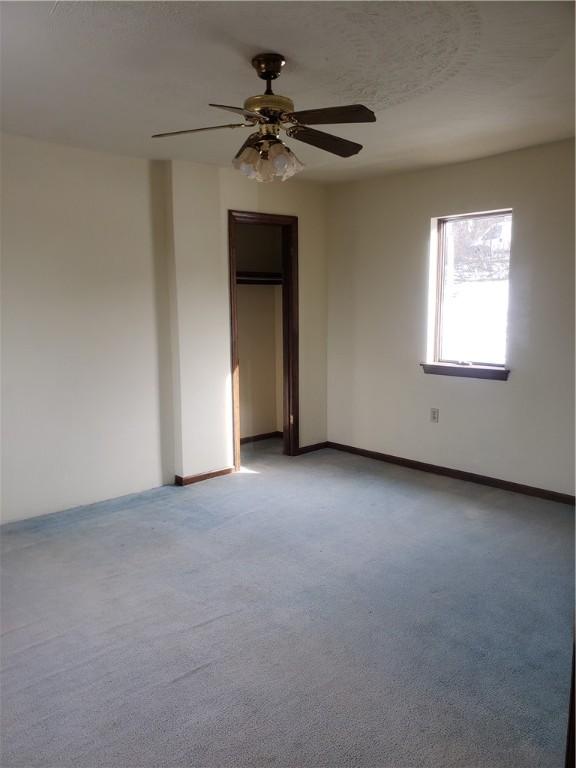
(257, 356)
(379, 398)
(80, 394)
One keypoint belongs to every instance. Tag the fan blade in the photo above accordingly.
(334, 144)
(353, 113)
(197, 130)
(238, 111)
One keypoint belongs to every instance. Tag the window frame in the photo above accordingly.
(438, 365)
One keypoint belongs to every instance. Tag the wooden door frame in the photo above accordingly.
(291, 419)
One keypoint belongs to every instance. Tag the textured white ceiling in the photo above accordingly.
(449, 81)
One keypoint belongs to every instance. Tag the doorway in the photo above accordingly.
(280, 270)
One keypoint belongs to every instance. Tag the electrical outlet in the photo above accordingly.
(435, 415)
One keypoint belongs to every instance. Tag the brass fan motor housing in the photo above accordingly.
(269, 103)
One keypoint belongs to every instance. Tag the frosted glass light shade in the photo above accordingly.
(285, 162)
(267, 161)
(247, 161)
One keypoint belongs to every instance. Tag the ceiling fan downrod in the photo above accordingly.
(268, 66)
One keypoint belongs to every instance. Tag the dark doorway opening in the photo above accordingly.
(283, 271)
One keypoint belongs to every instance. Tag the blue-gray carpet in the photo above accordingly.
(320, 611)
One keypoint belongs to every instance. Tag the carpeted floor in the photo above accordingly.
(314, 612)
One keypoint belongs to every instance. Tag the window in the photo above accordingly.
(469, 295)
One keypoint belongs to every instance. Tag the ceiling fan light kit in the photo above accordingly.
(267, 159)
(264, 156)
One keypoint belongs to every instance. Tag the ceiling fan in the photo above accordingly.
(264, 156)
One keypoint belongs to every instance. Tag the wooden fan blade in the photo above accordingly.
(334, 144)
(238, 111)
(353, 113)
(197, 130)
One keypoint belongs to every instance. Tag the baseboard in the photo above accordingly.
(255, 438)
(189, 479)
(458, 474)
(310, 448)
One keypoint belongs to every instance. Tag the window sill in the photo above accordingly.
(498, 373)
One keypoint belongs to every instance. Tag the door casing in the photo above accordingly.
(291, 418)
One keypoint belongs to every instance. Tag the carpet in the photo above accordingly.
(312, 612)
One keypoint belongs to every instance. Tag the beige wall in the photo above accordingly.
(80, 352)
(202, 317)
(379, 398)
(279, 349)
(201, 198)
(308, 202)
(116, 325)
(257, 356)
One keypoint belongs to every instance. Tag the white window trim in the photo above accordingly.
(432, 363)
